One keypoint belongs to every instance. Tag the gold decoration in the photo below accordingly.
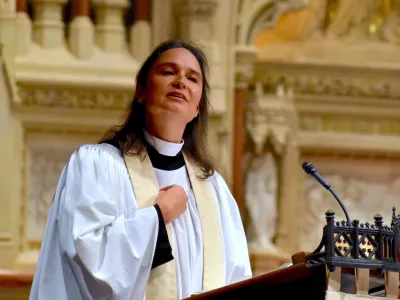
(357, 20)
(391, 26)
(367, 246)
(342, 244)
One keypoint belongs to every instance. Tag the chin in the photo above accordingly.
(177, 106)
(170, 112)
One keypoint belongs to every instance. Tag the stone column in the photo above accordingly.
(272, 117)
(11, 162)
(291, 197)
(110, 30)
(81, 31)
(23, 28)
(48, 27)
(291, 175)
(245, 57)
(7, 29)
(140, 33)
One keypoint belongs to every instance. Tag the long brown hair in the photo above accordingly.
(129, 137)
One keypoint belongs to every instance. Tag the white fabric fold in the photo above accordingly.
(99, 245)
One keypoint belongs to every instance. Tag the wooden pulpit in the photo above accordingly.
(353, 261)
(287, 283)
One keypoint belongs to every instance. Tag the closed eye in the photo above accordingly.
(194, 79)
(168, 72)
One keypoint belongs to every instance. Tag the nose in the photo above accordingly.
(179, 82)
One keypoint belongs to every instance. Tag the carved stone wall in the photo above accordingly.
(66, 85)
(344, 72)
(45, 155)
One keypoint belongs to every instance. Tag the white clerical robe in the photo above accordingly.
(98, 244)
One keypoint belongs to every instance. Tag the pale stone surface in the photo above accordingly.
(261, 201)
(46, 165)
(365, 188)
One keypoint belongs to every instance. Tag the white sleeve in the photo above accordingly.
(116, 250)
(237, 259)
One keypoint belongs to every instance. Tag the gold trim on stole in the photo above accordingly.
(213, 247)
(162, 281)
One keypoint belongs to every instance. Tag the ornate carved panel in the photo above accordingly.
(335, 32)
(46, 155)
(45, 169)
(327, 79)
(357, 125)
(78, 98)
(339, 99)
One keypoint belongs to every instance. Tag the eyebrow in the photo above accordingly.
(172, 64)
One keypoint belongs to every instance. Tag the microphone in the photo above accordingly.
(312, 171)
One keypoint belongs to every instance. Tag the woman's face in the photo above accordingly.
(174, 86)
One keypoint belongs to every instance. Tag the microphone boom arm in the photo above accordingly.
(312, 171)
(341, 204)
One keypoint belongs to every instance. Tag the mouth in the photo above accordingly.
(177, 95)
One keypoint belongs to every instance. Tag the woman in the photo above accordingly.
(144, 214)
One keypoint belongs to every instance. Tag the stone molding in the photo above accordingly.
(340, 103)
(196, 7)
(77, 98)
(332, 80)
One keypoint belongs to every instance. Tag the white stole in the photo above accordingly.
(162, 282)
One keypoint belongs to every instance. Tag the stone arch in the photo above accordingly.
(256, 15)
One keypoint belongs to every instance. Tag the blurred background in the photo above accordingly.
(292, 81)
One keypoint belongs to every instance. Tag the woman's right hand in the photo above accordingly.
(172, 201)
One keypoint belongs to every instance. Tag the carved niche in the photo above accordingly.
(271, 115)
(271, 119)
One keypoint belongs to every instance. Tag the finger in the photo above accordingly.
(166, 188)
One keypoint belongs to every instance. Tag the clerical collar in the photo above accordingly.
(164, 155)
